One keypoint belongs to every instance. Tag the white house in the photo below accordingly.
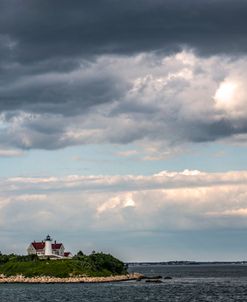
(48, 248)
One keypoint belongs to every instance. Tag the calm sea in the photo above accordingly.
(189, 283)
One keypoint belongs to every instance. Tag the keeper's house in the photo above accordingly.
(48, 248)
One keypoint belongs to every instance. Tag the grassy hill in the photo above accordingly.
(96, 264)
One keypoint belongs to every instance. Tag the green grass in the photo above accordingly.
(97, 264)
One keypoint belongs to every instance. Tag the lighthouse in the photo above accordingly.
(48, 247)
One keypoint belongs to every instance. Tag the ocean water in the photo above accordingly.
(189, 283)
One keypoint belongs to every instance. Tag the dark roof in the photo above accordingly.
(66, 254)
(38, 245)
(56, 246)
(41, 245)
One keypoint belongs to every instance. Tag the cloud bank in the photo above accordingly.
(188, 200)
(60, 29)
(121, 72)
(169, 100)
(165, 216)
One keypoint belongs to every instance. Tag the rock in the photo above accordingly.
(52, 280)
(153, 281)
(152, 277)
(168, 278)
(155, 277)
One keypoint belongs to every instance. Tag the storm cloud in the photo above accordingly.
(69, 71)
(44, 30)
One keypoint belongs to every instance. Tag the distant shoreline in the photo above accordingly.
(50, 280)
(188, 263)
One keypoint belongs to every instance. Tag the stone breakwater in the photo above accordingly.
(46, 279)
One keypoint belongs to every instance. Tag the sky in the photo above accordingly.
(123, 127)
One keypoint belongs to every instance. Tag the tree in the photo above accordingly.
(80, 253)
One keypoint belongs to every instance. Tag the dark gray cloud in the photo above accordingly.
(60, 95)
(45, 29)
(107, 71)
(40, 37)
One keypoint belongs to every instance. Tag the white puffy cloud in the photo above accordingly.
(231, 98)
(121, 201)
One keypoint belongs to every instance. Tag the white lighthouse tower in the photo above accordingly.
(48, 247)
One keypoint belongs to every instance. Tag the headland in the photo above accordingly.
(81, 268)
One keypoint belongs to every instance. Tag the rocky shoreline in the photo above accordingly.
(47, 280)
